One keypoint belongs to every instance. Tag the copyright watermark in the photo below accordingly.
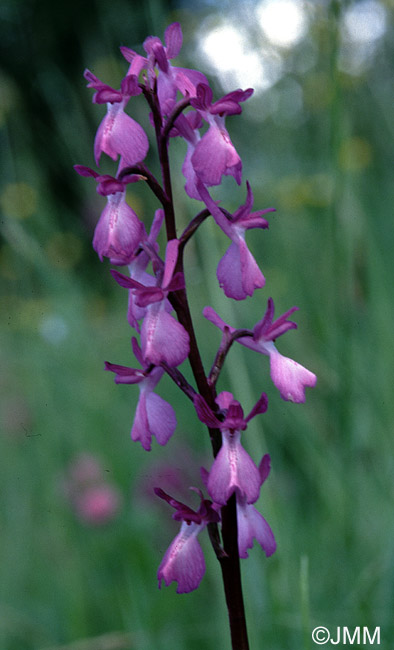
(359, 635)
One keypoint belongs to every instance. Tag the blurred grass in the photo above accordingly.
(329, 498)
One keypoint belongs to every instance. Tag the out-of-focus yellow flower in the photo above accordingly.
(355, 154)
(24, 313)
(64, 250)
(295, 192)
(18, 200)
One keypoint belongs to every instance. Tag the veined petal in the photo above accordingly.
(209, 157)
(183, 561)
(238, 273)
(215, 155)
(129, 139)
(252, 277)
(162, 337)
(229, 273)
(171, 260)
(189, 174)
(161, 418)
(233, 470)
(153, 416)
(289, 377)
(173, 40)
(166, 91)
(102, 141)
(140, 429)
(118, 231)
(252, 525)
(187, 80)
(119, 134)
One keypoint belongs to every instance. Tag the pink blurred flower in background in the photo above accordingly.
(93, 498)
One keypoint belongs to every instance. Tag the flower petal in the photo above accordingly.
(162, 337)
(173, 40)
(140, 429)
(238, 273)
(229, 273)
(119, 134)
(215, 155)
(118, 232)
(252, 277)
(252, 525)
(161, 418)
(289, 377)
(233, 470)
(171, 260)
(183, 561)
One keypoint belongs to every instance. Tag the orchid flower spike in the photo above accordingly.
(289, 377)
(233, 470)
(154, 416)
(183, 561)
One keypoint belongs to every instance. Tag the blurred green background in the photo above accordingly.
(316, 143)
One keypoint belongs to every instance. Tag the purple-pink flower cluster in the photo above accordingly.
(182, 106)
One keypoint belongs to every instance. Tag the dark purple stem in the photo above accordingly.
(192, 227)
(180, 381)
(162, 145)
(225, 345)
(146, 175)
(177, 110)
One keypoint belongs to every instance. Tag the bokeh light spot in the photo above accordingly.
(225, 45)
(53, 328)
(283, 22)
(365, 22)
(230, 54)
